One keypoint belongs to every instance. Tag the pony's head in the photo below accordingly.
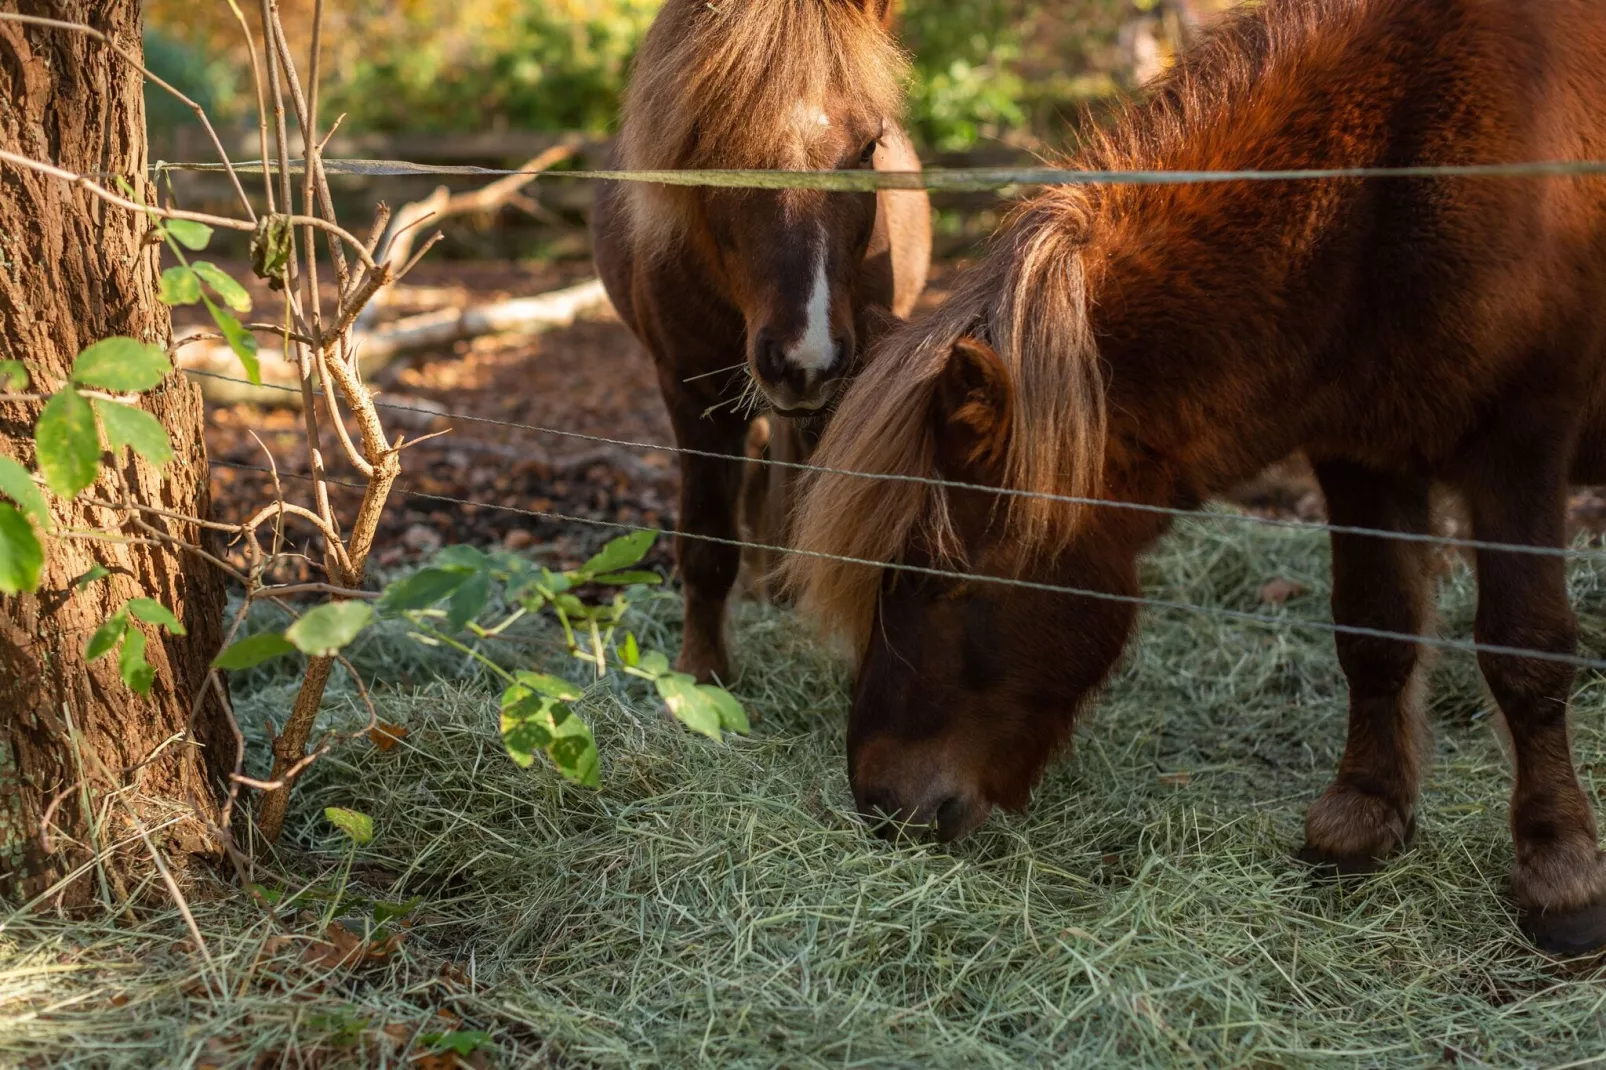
(966, 687)
(795, 85)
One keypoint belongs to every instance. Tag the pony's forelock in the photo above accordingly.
(717, 85)
(1028, 300)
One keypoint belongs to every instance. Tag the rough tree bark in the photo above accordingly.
(74, 270)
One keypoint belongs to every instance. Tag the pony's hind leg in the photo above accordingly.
(1560, 875)
(1366, 814)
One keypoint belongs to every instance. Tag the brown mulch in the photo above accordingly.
(592, 378)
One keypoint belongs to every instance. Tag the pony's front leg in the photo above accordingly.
(710, 489)
(1382, 583)
(1560, 875)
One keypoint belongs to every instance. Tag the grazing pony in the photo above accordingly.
(1158, 344)
(787, 283)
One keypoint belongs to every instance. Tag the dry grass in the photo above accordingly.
(721, 904)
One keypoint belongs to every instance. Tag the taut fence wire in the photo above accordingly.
(1142, 601)
(942, 180)
(1450, 541)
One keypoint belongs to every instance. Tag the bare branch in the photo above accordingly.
(220, 222)
(262, 100)
(285, 590)
(352, 454)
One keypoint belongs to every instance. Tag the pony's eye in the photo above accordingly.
(869, 151)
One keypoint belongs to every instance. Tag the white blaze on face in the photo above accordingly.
(816, 351)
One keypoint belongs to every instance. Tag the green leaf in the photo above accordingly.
(550, 686)
(387, 912)
(571, 605)
(153, 612)
(468, 601)
(128, 426)
(13, 376)
(525, 725)
(574, 751)
(621, 553)
(322, 632)
(137, 673)
(654, 664)
(125, 365)
(189, 233)
(106, 636)
(422, 589)
(21, 556)
(253, 651)
(98, 572)
(180, 286)
(234, 295)
(458, 1042)
(464, 557)
(18, 485)
(271, 245)
(629, 652)
(533, 722)
(242, 341)
(354, 823)
(625, 579)
(271, 896)
(694, 708)
(68, 443)
(731, 715)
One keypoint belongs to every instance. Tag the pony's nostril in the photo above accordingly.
(877, 804)
(951, 816)
(769, 358)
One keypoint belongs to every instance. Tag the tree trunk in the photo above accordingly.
(74, 270)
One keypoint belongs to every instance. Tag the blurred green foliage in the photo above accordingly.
(984, 69)
(967, 79)
(547, 69)
(210, 82)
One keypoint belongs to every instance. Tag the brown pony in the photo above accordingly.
(784, 283)
(1158, 344)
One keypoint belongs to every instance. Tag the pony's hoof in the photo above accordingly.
(1565, 933)
(1351, 832)
(1331, 866)
(705, 668)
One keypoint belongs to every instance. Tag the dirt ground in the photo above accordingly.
(591, 378)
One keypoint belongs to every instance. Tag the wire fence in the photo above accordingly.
(970, 180)
(941, 180)
(1449, 541)
(1142, 601)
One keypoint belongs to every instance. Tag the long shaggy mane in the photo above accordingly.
(1031, 298)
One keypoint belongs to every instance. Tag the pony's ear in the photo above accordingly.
(971, 412)
(883, 11)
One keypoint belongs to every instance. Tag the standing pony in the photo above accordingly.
(1158, 344)
(785, 282)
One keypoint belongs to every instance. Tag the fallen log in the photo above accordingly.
(204, 352)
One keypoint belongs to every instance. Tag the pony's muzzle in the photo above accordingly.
(938, 813)
(798, 379)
